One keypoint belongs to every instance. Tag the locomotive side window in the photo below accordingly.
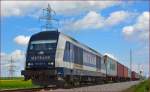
(73, 53)
(89, 59)
(98, 62)
(67, 52)
(78, 55)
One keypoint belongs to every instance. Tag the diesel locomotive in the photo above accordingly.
(55, 58)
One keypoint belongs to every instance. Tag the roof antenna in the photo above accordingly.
(48, 19)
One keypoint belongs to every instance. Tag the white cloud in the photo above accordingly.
(20, 8)
(22, 40)
(15, 55)
(116, 17)
(128, 30)
(13, 8)
(94, 20)
(140, 29)
(91, 20)
(103, 4)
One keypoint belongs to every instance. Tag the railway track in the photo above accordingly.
(106, 87)
(44, 88)
(29, 89)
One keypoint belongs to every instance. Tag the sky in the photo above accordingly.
(110, 27)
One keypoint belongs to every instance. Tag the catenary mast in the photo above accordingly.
(48, 19)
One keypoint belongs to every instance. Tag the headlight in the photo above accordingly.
(50, 63)
(30, 64)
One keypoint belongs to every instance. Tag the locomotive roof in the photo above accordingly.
(81, 44)
(53, 33)
(45, 35)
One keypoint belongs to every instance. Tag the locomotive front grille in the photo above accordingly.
(35, 74)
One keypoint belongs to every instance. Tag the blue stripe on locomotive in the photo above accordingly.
(88, 64)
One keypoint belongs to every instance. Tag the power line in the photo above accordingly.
(48, 18)
(11, 68)
(149, 52)
(131, 62)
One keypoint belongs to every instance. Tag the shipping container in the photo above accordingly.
(133, 74)
(129, 73)
(120, 70)
(125, 72)
(111, 66)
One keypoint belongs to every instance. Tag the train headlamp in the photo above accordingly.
(30, 64)
(50, 63)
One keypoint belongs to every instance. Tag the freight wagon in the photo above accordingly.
(120, 72)
(125, 69)
(126, 73)
(135, 76)
(111, 68)
(116, 71)
(129, 74)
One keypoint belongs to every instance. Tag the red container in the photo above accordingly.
(125, 72)
(120, 70)
(133, 75)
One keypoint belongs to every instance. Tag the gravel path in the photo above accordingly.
(113, 87)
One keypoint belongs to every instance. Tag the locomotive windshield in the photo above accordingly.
(43, 45)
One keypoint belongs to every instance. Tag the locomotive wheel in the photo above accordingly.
(40, 82)
(63, 84)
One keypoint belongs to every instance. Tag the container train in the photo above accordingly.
(55, 58)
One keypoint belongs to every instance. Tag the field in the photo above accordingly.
(15, 83)
(142, 87)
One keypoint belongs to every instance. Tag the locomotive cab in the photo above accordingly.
(41, 51)
(40, 56)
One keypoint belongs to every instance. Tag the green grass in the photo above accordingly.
(142, 87)
(15, 84)
(11, 78)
